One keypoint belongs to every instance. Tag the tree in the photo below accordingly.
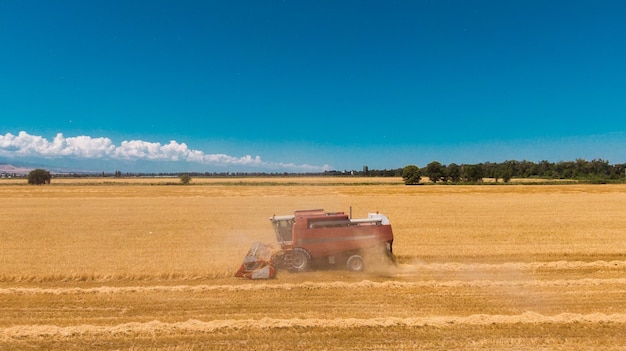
(185, 178)
(454, 172)
(492, 170)
(506, 171)
(435, 171)
(474, 173)
(411, 174)
(39, 176)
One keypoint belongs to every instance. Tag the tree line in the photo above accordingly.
(595, 170)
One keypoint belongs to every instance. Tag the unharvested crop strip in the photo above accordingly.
(554, 265)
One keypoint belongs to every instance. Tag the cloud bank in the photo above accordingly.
(88, 148)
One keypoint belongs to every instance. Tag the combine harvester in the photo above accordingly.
(314, 238)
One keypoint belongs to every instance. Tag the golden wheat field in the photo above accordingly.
(142, 264)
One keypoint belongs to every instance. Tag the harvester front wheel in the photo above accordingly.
(300, 260)
(355, 263)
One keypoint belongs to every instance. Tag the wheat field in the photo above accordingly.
(147, 264)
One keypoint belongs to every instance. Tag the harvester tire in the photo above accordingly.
(300, 260)
(355, 263)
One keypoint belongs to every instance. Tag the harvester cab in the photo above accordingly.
(283, 226)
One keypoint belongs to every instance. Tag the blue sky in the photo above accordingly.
(310, 85)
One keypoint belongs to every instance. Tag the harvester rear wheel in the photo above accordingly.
(355, 263)
(300, 260)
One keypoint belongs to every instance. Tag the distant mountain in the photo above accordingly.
(11, 169)
(22, 167)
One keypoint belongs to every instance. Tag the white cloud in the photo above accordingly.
(83, 146)
(25, 144)
(139, 149)
(88, 148)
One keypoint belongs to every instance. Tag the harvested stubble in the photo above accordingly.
(131, 266)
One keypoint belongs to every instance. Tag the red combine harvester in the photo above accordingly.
(318, 238)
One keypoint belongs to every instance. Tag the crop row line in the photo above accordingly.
(195, 326)
(365, 284)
